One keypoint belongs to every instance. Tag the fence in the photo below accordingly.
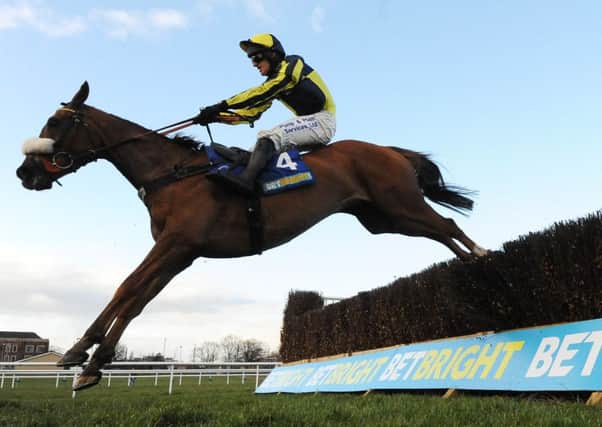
(12, 372)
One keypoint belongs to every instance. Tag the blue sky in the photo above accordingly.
(504, 95)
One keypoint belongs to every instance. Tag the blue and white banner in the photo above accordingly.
(560, 357)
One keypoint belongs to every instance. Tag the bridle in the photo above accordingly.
(71, 162)
(64, 160)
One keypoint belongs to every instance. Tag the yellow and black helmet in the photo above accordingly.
(261, 42)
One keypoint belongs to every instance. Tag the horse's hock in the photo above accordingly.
(546, 277)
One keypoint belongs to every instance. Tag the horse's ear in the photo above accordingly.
(80, 97)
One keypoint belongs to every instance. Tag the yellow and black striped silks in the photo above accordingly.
(294, 83)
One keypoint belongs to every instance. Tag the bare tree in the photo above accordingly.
(207, 351)
(231, 348)
(252, 350)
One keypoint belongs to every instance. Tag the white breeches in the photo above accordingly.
(302, 131)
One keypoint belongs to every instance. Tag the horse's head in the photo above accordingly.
(62, 147)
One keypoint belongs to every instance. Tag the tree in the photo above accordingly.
(231, 348)
(207, 351)
(252, 350)
(157, 357)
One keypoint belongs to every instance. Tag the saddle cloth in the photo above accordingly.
(285, 171)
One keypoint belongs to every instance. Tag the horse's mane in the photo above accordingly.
(186, 141)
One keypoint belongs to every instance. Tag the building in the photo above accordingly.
(19, 345)
(51, 358)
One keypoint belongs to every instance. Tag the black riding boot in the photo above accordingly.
(245, 182)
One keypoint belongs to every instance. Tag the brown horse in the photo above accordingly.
(384, 187)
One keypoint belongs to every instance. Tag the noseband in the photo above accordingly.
(64, 160)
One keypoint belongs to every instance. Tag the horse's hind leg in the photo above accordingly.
(415, 217)
(423, 220)
(458, 234)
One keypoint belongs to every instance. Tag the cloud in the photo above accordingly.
(120, 23)
(317, 19)
(257, 9)
(77, 294)
(167, 19)
(206, 8)
(43, 20)
(123, 24)
(12, 16)
(117, 23)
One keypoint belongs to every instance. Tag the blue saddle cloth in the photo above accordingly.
(284, 171)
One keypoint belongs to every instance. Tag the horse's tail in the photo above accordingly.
(433, 186)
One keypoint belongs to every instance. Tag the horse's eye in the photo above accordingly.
(52, 122)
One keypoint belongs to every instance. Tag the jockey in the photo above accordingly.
(291, 81)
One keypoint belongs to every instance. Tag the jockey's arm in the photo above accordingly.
(265, 92)
(242, 115)
(249, 105)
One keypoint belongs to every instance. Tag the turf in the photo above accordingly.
(213, 403)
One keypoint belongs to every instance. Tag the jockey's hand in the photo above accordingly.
(208, 114)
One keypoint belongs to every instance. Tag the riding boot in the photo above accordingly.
(245, 182)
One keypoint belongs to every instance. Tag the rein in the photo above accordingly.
(65, 160)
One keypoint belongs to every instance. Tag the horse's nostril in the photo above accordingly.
(22, 172)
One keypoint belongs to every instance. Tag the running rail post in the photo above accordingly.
(256, 376)
(171, 368)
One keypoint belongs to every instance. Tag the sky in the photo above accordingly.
(505, 96)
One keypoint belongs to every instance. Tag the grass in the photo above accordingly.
(39, 403)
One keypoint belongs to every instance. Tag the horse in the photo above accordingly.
(191, 216)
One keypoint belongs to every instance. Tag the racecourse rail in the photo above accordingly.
(175, 371)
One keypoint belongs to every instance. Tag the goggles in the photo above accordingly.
(257, 58)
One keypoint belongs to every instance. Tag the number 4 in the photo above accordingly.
(285, 161)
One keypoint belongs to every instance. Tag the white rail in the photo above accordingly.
(175, 371)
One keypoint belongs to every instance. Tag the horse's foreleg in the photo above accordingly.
(165, 260)
(91, 375)
(77, 354)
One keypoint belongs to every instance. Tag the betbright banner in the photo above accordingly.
(560, 357)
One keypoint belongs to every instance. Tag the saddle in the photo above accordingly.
(285, 171)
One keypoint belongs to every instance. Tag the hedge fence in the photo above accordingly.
(545, 277)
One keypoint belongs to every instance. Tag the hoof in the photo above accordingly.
(479, 251)
(73, 359)
(86, 381)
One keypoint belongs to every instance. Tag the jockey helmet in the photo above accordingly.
(262, 42)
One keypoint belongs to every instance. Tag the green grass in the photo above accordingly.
(39, 403)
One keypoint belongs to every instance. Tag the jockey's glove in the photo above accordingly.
(208, 114)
